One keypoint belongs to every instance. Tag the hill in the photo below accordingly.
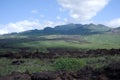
(74, 36)
(116, 30)
(70, 29)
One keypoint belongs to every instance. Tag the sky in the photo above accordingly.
(22, 15)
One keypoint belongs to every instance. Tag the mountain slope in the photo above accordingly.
(70, 29)
(114, 31)
(76, 36)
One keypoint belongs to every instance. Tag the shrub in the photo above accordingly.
(69, 64)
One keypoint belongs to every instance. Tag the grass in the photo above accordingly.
(104, 39)
(72, 64)
(31, 65)
(99, 41)
(91, 42)
(69, 64)
(64, 63)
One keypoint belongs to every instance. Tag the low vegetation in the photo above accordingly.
(69, 64)
(65, 64)
(97, 41)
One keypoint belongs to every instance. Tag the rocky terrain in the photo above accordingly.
(56, 53)
(110, 72)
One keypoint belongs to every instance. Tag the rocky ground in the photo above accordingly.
(56, 53)
(110, 72)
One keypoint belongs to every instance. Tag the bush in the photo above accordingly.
(69, 64)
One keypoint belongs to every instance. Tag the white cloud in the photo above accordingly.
(83, 10)
(34, 11)
(113, 23)
(3, 31)
(19, 26)
(26, 25)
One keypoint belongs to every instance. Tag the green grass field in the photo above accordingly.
(107, 41)
(98, 41)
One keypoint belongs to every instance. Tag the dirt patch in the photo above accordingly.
(17, 62)
(55, 53)
(16, 76)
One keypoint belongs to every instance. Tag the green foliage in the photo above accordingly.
(31, 65)
(69, 64)
(72, 64)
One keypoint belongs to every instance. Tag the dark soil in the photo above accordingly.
(55, 53)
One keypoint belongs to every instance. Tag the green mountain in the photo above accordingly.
(67, 27)
(78, 36)
(70, 29)
(116, 30)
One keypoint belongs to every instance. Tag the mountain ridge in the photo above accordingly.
(71, 29)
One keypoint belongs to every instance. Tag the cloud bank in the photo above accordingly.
(83, 10)
(19, 26)
(113, 23)
(26, 25)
